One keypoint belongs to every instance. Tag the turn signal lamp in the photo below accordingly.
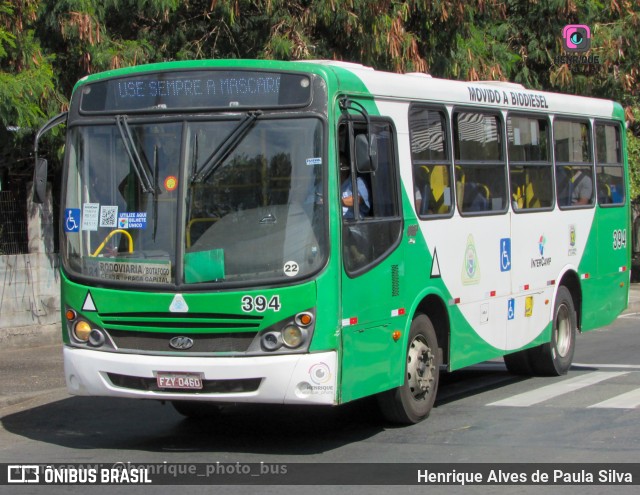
(304, 319)
(82, 330)
(396, 335)
(71, 315)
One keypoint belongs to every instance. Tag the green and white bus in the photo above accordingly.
(212, 250)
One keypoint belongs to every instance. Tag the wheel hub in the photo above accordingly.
(420, 368)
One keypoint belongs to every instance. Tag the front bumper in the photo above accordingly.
(288, 379)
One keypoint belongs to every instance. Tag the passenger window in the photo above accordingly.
(609, 167)
(431, 162)
(480, 169)
(530, 167)
(574, 169)
(372, 226)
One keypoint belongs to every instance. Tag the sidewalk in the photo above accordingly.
(31, 361)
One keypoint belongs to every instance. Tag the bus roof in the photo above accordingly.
(491, 94)
(409, 86)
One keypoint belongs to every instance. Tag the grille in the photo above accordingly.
(208, 386)
(202, 342)
(211, 332)
(182, 322)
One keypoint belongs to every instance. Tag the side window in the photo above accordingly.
(480, 168)
(371, 220)
(574, 169)
(609, 167)
(431, 162)
(530, 170)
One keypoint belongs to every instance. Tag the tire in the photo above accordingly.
(196, 409)
(519, 363)
(554, 358)
(412, 402)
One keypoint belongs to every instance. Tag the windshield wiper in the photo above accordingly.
(226, 146)
(132, 150)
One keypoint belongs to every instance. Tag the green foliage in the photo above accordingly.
(28, 89)
(633, 149)
(47, 45)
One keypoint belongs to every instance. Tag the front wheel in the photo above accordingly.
(412, 402)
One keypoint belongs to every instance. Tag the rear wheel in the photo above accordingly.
(412, 401)
(519, 363)
(554, 358)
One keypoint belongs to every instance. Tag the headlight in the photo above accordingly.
(96, 338)
(292, 336)
(287, 336)
(82, 330)
(272, 341)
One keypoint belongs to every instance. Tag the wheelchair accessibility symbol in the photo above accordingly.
(505, 254)
(511, 309)
(72, 220)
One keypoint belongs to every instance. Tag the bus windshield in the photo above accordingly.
(234, 200)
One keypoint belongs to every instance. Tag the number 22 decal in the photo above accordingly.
(260, 304)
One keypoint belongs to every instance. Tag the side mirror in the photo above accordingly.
(366, 153)
(40, 181)
(40, 170)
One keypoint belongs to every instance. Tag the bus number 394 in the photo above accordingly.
(619, 239)
(260, 304)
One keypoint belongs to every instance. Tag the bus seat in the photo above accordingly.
(616, 194)
(476, 197)
(604, 193)
(564, 185)
(531, 200)
(439, 182)
(518, 198)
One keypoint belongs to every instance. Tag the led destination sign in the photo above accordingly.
(196, 90)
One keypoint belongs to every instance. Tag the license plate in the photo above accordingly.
(182, 381)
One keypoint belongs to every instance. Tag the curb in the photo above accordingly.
(12, 400)
(30, 336)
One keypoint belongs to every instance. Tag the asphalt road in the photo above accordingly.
(483, 414)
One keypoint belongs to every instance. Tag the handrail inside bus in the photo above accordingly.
(111, 234)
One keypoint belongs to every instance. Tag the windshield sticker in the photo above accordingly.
(132, 220)
(72, 220)
(108, 216)
(155, 272)
(314, 161)
(291, 268)
(90, 212)
(171, 183)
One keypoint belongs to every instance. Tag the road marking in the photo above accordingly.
(550, 391)
(616, 366)
(630, 315)
(630, 400)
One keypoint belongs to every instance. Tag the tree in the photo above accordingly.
(27, 83)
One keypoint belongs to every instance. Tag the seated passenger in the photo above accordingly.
(346, 192)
